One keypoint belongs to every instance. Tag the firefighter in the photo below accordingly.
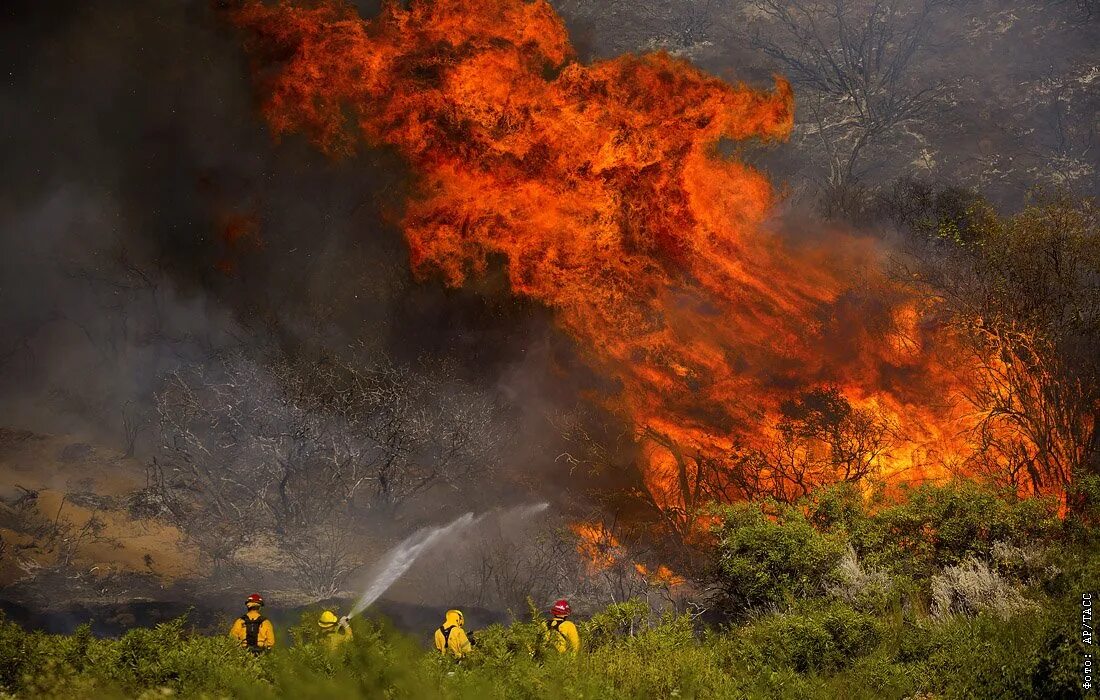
(335, 631)
(253, 630)
(450, 638)
(560, 632)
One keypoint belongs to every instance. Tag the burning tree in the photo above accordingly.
(820, 440)
(1023, 293)
(306, 450)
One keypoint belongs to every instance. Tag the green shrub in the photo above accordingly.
(617, 620)
(800, 635)
(815, 638)
(986, 657)
(865, 589)
(973, 587)
(19, 650)
(838, 508)
(769, 559)
(940, 526)
(166, 656)
(1083, 518)
(817, 649)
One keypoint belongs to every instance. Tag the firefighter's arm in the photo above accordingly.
(572, 637)
(266, 638)
(439, 641)
(237, 631)
(460, 641)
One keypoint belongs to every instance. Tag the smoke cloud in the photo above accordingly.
(147, 221)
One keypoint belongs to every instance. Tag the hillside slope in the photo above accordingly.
(74, 523)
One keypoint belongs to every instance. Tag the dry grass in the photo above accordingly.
(973, 587)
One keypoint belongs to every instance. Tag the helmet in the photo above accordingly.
(561, 608)
(327, 619)
(455, 617)
(254, 601)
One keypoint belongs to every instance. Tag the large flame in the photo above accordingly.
(605, 191)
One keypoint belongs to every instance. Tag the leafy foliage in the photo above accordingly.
(787, 574)
(764, 559)
(931, 527)
(941, 526)
(816, 651)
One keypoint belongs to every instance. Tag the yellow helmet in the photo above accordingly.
(327, 619)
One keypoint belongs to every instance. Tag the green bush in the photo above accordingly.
(795, 636)
(815, 650)
(838, 508)
(987, 657)
(940, 526)
(767, 559)
(815, 638)
(1083, 518)
(165, 656)
(617, 620)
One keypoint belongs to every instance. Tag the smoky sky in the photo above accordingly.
(148, 219)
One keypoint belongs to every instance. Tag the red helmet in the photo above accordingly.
(561, 608)
(254, 599)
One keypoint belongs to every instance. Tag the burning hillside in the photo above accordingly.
(604, 190)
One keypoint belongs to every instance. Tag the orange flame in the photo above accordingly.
(603, 188)
(597, 545)
(663, 576)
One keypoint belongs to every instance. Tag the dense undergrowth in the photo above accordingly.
(956, 592)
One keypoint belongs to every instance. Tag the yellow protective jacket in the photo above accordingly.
(450, 638)
(265, 635)
(562, 635)
(335, 638)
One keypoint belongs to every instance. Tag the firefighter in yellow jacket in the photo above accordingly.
(560, 632)
(335, 631)
(253, 630)
(450, 638)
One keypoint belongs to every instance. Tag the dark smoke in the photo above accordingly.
(148, 220)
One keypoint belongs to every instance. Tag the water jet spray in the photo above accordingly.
(395, 562)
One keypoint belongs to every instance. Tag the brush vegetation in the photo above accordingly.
(953, 592)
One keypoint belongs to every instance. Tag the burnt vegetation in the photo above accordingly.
(312, 453)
